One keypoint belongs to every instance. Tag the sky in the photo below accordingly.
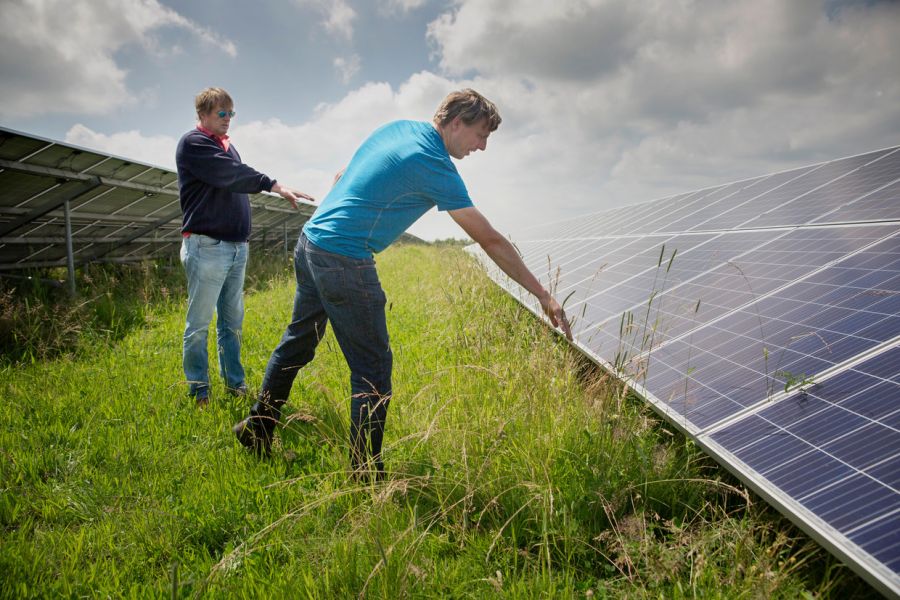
(605, 103)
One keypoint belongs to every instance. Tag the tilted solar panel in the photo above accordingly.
(762, 318)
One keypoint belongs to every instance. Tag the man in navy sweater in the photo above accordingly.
(213, 186)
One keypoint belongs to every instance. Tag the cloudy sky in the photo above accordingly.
(604, 102)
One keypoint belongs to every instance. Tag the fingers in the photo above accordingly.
(557, 317)
(304, 196)
(563, 323)
(289, 196)
(294, 195)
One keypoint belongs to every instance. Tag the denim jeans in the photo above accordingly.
(215, 274)
(347, 292)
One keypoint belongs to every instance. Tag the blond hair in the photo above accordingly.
(211, 98)
(470, 106)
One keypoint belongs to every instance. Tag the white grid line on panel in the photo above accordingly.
(850, 204)
(690, 280)
(698, 204)
(808, 192)
(782, 287)
(803, 173)
(709, 383)
(887, 515)
(751, 184)
(823, 377)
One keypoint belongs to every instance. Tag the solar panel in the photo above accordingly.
(761, 317)
(109, 208)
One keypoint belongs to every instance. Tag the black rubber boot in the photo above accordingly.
(257, 431)
(366, 436)
(359, 444)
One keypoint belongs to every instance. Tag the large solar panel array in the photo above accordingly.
(762, 318)
(56, 196)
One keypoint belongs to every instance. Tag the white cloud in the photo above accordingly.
(402, 6)
(339, 16)
(565, 40)
(307, 155)
(519, 177)
(157, 150)
(60, 57)
(610, 102)
(673, 97)
(347, 67)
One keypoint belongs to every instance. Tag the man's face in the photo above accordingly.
(218, 119)
(463, 139)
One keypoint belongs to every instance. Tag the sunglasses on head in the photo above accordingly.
(225, 113)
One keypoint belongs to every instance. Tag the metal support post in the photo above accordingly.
(70, 255)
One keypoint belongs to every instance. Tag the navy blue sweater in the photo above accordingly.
(213, 186)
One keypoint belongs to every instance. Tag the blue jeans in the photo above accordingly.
(347, 292)
(215, 274)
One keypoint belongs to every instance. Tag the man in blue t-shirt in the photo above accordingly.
(213, 188)
(401, 171)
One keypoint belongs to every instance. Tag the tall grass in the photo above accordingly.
(515, 470)
(39, 320)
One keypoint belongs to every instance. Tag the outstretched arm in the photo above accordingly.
(507, 258)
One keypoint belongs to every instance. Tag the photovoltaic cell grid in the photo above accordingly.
(831, 454)
(797, 331)
(762, 317)
(119, 210)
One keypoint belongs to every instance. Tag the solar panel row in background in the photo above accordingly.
(119, 210)
(762, 317)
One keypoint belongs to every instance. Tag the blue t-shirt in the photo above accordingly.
(395, 177)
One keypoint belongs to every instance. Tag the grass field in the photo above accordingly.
(515, 470)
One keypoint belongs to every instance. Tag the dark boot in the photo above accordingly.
(377, 421)
(257, 431)
(359, 443)
(366, 435)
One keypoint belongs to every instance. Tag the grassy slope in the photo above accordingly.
(515, 469)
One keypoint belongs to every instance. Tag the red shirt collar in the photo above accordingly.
(222, 140)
